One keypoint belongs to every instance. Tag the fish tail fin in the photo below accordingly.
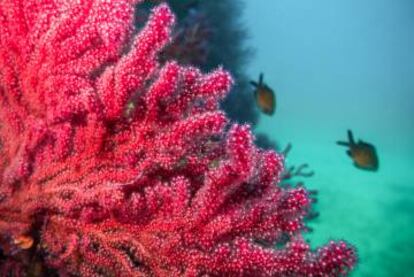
(342, 143)
(351, 137)
(253, 83)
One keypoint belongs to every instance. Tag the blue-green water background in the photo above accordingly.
(337, 65)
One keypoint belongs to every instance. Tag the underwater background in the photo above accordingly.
(334, 66)
(338, 65)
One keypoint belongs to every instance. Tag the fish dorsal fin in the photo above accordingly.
(366, 144)
(261, 79)
(351, 138)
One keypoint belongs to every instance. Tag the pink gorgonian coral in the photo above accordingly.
(115, 165)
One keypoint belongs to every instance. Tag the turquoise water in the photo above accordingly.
(337, 65)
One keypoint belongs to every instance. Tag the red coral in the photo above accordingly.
(117, 167)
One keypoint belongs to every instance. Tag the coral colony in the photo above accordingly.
(114, 165)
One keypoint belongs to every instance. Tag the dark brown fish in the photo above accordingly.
(265, 96)
(362, 153)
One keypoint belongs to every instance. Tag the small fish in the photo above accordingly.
(362, 153)
(265, 96)
(23, 242)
